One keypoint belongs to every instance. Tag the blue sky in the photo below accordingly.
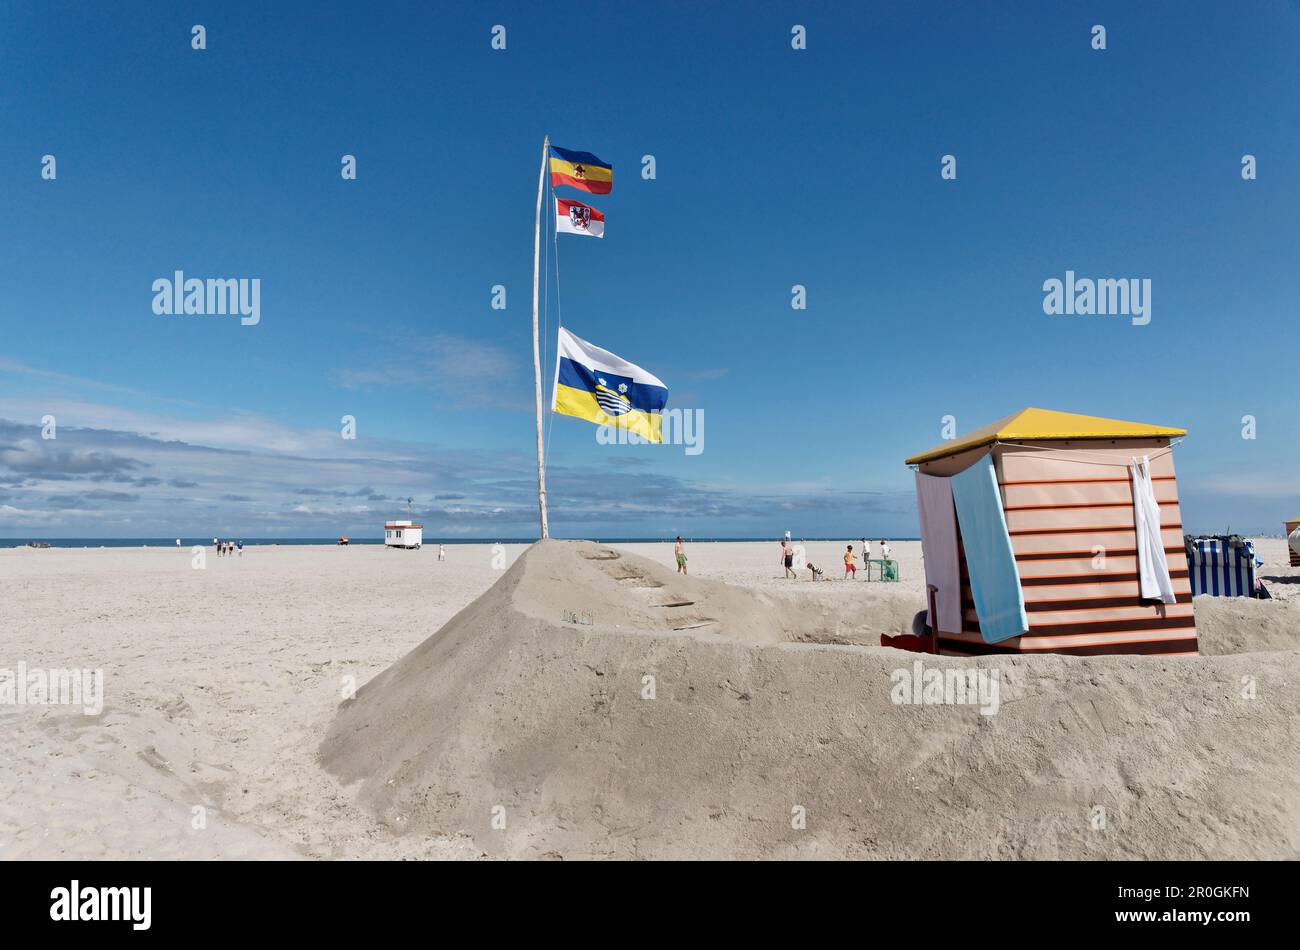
(774, 167)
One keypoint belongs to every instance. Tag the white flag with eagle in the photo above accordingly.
(574, 217)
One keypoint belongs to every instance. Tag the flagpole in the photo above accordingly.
(537, 359)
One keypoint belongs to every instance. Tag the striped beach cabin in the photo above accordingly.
(1067, 496)
(1294, 555)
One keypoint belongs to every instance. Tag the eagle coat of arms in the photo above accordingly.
(580, 216)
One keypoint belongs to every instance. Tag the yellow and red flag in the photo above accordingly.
(581, 170)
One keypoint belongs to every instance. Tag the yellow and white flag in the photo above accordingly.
(596, 385)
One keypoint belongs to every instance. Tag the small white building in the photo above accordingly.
(403, 534)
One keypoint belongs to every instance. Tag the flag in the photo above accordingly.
(596, 385)
(574, 217)
(582, 170)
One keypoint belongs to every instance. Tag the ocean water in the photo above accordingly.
(207, 542)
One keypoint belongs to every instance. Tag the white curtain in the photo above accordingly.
(1153, 569)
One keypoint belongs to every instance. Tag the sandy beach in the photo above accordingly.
(222, 683)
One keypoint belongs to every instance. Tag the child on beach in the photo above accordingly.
(817, 572)
(679, 549)
(849, 566)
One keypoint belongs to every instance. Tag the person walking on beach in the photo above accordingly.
(885, 549)
(240, 546)
(442, 553)
(849, 566)
(679, 549)
(787, 558)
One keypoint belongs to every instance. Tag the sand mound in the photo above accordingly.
(527, 723)
(1242, 624)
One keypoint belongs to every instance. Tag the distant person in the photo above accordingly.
(866, 553)
(849, 566)
(885, 549)
(240, 545)
(442, 553)
(679, 549)
(787, 558)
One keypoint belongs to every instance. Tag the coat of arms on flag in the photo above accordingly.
(596, 385)
(580, 170)
(574, 217)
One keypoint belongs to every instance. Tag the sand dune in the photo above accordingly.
(535, 736)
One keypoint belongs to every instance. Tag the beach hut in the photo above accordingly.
(403, 534)
(1291, 547)
(1047, 532)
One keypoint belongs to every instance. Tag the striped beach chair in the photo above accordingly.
(1221, 566)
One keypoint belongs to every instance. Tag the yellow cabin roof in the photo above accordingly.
(1030, 425)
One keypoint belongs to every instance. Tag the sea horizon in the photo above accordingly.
(207, 542)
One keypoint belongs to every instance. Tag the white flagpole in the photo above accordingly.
(537, 359)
